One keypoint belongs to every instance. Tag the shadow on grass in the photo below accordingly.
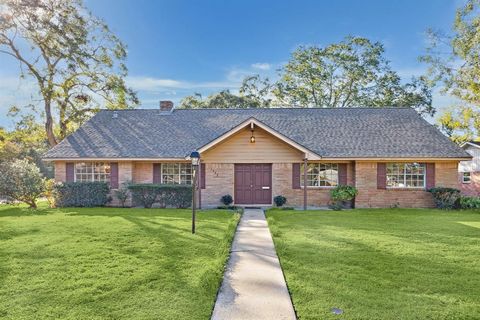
(20, 211)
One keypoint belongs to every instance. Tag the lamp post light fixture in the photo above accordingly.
(195, 158)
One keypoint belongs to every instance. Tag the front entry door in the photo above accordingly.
(253, 184)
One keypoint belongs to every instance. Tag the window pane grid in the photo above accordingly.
(320, 175)
(176, 173)
(405, 175)
(92, 171)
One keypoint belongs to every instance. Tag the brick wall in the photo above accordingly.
(219, 182)
(60, 171)
(282, 185)
(371, 197)
(143, 172)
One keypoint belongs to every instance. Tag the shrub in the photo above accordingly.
(122, 194)
(227, 199)
(279, 200)
(469, 202)
(50, 192)
(22, 181)
(343, 193)
(81, 194)
(445, 198)
(174, 195)
(342, 196)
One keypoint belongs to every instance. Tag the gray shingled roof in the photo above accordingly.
(332, 133)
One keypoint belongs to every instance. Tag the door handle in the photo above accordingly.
(266, 188)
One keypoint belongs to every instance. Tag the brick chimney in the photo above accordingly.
(166, 106)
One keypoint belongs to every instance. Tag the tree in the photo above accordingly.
(220, 100)
(454, 63)
(255, 92)
(27, 140)
(73, 58)
(350, 73)
(21, 180)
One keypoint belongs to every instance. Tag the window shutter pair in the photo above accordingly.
(342, 174)
(157, 174)
(382, 175)
(70, 173)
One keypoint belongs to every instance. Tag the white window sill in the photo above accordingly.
(319, 187)
(406, 188)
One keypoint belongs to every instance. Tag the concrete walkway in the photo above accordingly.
(253, 286)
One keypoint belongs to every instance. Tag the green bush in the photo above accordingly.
(81, 194)
(469, 202)
(122, 194)
(171, 195)
(343, 193)
(342, 197)
(22, 181)
(279, 200)
(227, 199)
(445, 198)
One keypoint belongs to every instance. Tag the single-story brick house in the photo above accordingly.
(391, 155)
(469, 171)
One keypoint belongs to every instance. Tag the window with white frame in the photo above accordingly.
(320, 175)
(406, 175)
(466, 177)
(92, 171)
(177, 173)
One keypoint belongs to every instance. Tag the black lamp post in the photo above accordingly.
(195, 157)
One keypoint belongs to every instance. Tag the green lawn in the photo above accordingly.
(380, 264)
(109, 263)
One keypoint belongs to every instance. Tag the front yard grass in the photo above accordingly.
(111, 263)
(380, 264)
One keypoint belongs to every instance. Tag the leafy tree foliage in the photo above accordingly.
(351, 73)
(26, 141)
(75, 61)
(454, 63)
(21, 180)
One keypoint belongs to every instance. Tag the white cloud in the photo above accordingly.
(261, 66)
(158, 84)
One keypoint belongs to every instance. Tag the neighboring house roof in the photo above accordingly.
(328, 132)
(471, 143)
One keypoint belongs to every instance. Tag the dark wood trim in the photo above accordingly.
(305, 164)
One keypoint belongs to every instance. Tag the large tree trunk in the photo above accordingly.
(52, 141)
(62, 121)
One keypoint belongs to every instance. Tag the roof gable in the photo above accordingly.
(252, 123)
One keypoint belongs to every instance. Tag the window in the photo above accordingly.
(320, 175)
(466, 177)
(406, 175)
(92, 171)
(177, 173)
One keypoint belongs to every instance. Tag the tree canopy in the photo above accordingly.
(454, 64)
(76, 62)
(351, 73)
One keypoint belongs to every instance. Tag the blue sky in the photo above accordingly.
(177, 48)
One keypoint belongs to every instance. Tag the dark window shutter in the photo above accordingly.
(114, 175)
(430, 175)
(342, 174)
(157, 173)
(70, 172)
(296, 176)
(381, 176)
(202, 176)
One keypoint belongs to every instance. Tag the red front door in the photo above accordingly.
(253, 184)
